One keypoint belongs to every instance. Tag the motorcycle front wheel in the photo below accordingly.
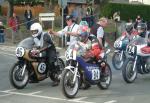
(18, 76)
(106, 78)
(116, 61)
(69, 88)
(129, 75)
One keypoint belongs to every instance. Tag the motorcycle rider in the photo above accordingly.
(129, 31)
(91, 43)
(142, 30)
(43, 42)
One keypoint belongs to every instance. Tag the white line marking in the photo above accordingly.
(9, 90)
(34, 93)
(44, 97)
(5, 95)
(78, 99)
(112, 101)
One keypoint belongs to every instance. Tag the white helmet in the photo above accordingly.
(36, 29)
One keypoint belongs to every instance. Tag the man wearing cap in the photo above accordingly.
(98, 30)
(70, 31)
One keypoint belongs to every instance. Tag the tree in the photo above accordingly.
(10, 8)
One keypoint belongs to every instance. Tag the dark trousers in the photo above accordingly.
(2, 38)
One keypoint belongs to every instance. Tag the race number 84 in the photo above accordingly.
(95, 74)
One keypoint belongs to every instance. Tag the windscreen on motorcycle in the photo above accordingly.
(138, 40)
(81, 49)
(26, 43)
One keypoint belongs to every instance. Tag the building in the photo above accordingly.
(147, 2)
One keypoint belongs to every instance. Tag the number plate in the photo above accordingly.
(131, 49)
(95, 74)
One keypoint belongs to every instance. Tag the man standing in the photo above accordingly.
(98, 30)
(70, 31)
(2, 28)
(14, 24)
(28, 16)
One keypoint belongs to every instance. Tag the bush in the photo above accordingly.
(126, 11)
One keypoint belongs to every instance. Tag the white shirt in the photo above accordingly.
(100, 32)
(74, 28)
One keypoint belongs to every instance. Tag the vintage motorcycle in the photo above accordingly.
(119, 55)
(138, 60)
(31, 67)
(80, 71)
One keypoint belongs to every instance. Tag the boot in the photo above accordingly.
(55, 83)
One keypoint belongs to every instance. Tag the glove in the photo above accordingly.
(35, 53)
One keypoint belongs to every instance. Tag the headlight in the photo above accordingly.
(20, 51)
(118, 44)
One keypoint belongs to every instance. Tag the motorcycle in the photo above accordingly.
(32, 67)
(138, 61)
(80, 71)
(119, 55)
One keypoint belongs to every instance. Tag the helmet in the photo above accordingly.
(36, 29)
(129, 27)
(141, 27)
(83, 33)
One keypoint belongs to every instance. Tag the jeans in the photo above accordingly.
(2, 39)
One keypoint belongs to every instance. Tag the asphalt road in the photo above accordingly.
(119, 91)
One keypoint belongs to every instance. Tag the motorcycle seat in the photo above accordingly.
(145, 50)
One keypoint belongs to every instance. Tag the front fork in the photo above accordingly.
(134, 63)
(121, 55)
(23, 70)
(23, 67)
(75, 73)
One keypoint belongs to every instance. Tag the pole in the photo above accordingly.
(62, 25)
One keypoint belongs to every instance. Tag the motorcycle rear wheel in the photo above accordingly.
(107, 78)
(16, 79)
(61, 66)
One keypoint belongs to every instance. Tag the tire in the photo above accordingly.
(61, 66)
(19, 81)
(116, 62)
(127, 72)
(107, 79)
(69, 90)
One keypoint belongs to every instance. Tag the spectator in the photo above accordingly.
(2, 28)
(28, 17)
(76, 13)
(98, 30)
(70, 31)
(14, 25)
(137, 21)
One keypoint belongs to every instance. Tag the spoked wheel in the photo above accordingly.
(106, 78)
(69, 88)
(129, 75)
(19, 75)
(60, 67)
(117, 61)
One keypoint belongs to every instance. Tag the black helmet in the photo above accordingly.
(142, 27)
(69, 17)
(129, 27)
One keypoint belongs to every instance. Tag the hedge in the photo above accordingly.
(126, 11)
